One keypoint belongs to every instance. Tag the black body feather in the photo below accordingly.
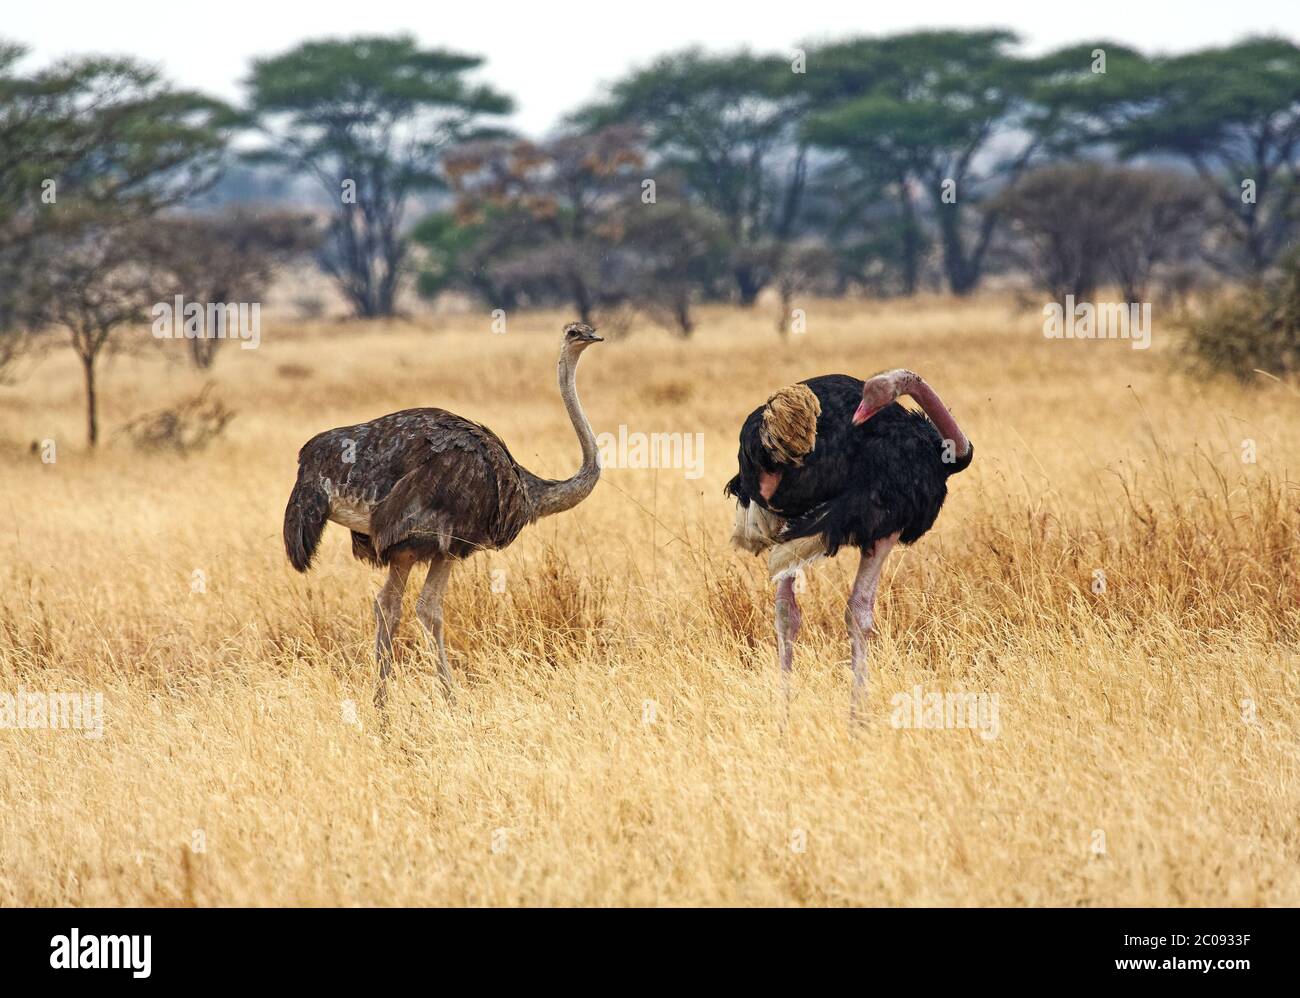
(860, 483)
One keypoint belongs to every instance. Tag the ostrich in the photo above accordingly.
(835, 461)
(426, 485)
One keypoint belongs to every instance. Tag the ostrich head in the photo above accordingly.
(578, 336)
(880, 390)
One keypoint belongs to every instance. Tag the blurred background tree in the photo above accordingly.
(369, 118)
(1136, 219)
(106, 145)
(1231, 114)
(230, 257)
(926, 108)
(553, 212)
(729, 126)
(889, 165)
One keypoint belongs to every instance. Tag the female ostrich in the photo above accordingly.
(835, 461)
(425, 485)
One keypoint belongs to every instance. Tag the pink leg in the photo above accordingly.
(859, 615)
(788, 619)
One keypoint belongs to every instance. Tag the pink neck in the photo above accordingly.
(933, 407)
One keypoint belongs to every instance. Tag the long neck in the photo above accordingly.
(550, 496)
(933, 406)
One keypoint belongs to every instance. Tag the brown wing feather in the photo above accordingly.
(441, 485)
(464, 494)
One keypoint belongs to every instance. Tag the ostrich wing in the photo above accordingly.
(873, 484)
(463, 492)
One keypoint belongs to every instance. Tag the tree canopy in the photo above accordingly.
(369, 118)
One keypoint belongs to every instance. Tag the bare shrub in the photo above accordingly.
(220, 259)
(182, 428)
(309, 306)
(1081, 225)
(1256, 328)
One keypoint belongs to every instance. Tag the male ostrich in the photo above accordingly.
(835, 461)
(426, 485)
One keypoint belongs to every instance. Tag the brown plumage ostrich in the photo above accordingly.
(426, 485)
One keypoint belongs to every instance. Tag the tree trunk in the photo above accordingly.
(685, 324)
(954, 256)
(92, 400)
(962, 268)
(748, 285)
(581, 298)
(386, 295)
(356, 270)
(1257, 256)
(911, 239)
(203, 349)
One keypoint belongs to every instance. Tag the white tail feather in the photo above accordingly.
(790, 556)
(756, 529)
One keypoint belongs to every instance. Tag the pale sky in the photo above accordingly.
(553, 55)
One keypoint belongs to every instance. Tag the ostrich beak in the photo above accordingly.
(863, 413)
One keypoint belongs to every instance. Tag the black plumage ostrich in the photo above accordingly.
(426, 485)
(832, 462)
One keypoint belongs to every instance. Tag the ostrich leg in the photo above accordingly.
(859, 615)
(788, 619)
(428, 608)
(388, 614)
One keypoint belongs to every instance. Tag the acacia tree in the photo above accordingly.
(1166, 219)
(88, 138)
(875, 235)
(369, 118)
(867, 172)
(123, 145)
(17, 196)
(729, 126)
(553, 213)
(934, 108)
(677, 252)
(96, 283)
(456, 253)
(1233, 114)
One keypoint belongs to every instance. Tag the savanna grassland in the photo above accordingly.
(617, 737)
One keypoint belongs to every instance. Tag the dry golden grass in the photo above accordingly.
(1158, 718)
